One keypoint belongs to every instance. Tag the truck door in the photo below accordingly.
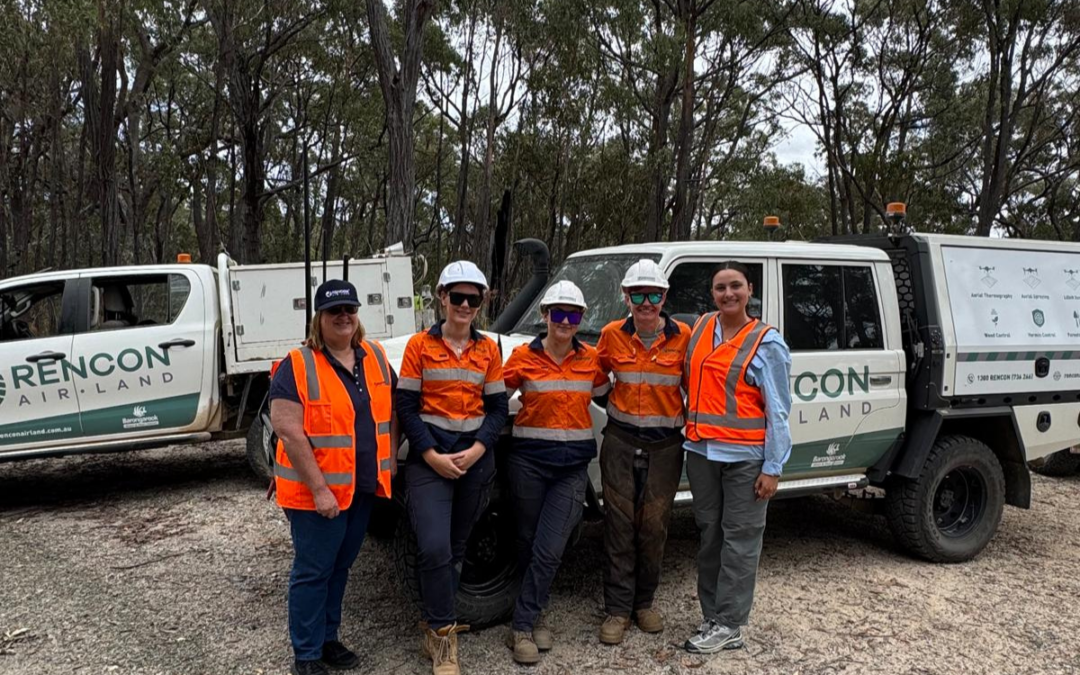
(143, 352)
(847, 388)
(39, 403)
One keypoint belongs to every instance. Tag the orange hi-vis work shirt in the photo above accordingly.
(721, 406)
(554, 424)
(647, 397)
(330, 425)
(441, 396)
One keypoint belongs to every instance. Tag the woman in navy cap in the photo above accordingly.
(332, 409)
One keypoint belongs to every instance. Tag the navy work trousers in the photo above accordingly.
(548, 503)
(325, 549)
(442, 512)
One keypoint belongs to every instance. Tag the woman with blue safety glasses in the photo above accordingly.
(553, 445)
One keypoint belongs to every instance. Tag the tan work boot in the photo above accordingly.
(542, 635)
(525, 651)
(441, 646)
(613, 629)
(649, 620)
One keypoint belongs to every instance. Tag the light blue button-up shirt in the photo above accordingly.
(770, 371)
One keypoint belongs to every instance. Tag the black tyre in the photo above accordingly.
(260, 448)
(489, 580)
(1058, 464)
(951, 511)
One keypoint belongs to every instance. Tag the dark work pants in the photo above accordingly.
(548, 503)
(732, 525)
(639, 481)
(442, 512)
(325, 549)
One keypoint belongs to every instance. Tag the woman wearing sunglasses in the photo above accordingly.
(641, 458)
(331, 404)
(452, 403)
(553, 444)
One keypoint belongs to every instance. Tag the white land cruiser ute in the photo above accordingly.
(934, 367)
(119, 358)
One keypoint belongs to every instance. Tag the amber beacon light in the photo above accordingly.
(183, 257)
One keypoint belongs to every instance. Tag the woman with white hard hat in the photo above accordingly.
(548, 466)
(452, 404)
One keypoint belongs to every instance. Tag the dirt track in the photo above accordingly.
(170, 561)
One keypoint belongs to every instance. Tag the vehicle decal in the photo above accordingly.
(968, 357)
(163, 413)
(857, 451)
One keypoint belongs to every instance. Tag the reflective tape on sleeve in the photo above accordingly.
(410, 383)
(494, 388)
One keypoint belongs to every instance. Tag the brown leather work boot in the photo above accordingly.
(441, 646)
(525, 651)
(649, 620)
(541, 635)
(613, 630)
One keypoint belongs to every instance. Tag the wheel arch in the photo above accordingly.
(996, 427)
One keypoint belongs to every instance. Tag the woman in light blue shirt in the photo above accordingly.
(738, 440)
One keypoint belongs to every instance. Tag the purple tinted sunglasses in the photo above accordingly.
(559, 315)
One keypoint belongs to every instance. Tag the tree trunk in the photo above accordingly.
(680, 221)
(461, 212)
(484, 235)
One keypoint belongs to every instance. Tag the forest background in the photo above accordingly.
(131, 130)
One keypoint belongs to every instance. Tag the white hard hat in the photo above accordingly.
(563, 293)
(461, 272)
(645, 272)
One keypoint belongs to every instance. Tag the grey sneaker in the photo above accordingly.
(713, 638)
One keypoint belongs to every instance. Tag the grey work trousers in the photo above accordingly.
(732, 524)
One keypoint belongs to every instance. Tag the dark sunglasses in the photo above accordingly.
(639, 298)
(560, 315)
(459, 299)
(342, 309)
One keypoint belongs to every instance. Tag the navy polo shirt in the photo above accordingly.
(367, 462)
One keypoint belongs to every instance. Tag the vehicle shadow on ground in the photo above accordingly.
(77, 480)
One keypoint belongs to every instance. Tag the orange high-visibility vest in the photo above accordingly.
(721, 406)
(648, 381)
(330, 425)
(555, 397)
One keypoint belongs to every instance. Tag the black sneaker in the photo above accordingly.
(339, 657)
(309, 668)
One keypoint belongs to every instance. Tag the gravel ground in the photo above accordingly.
(171, 561)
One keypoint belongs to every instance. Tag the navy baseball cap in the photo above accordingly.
(335, 293)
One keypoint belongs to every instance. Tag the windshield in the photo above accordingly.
(600, 280)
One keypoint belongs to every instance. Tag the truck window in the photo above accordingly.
(143, 300)
(831, 307)
(32, 311)
(690, 293)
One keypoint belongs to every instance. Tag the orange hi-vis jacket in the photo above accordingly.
(721, 406)
(647, 393)
(555, 397)
(452, 387)
(330, 425)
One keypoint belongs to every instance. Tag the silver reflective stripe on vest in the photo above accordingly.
(383, 428)
(331, 478)
(557, 385)
(384, 464)
(451, 374)
(383, 368)
(602, 389)
(699, 329)
(410, 383)
(462, 425)
(638, 377)
(330, 441)
(645, 420)
(731, 419)
(546, 434)
(312, 375)
(494, 388)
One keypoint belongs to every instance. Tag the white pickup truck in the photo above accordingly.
(934, 367)
(127, 357)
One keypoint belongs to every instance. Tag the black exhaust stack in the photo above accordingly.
(541, 259)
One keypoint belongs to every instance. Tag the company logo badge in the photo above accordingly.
(1057, 376)
(1038, 317)
(833, 449)
(340, 292)
(139, 411)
